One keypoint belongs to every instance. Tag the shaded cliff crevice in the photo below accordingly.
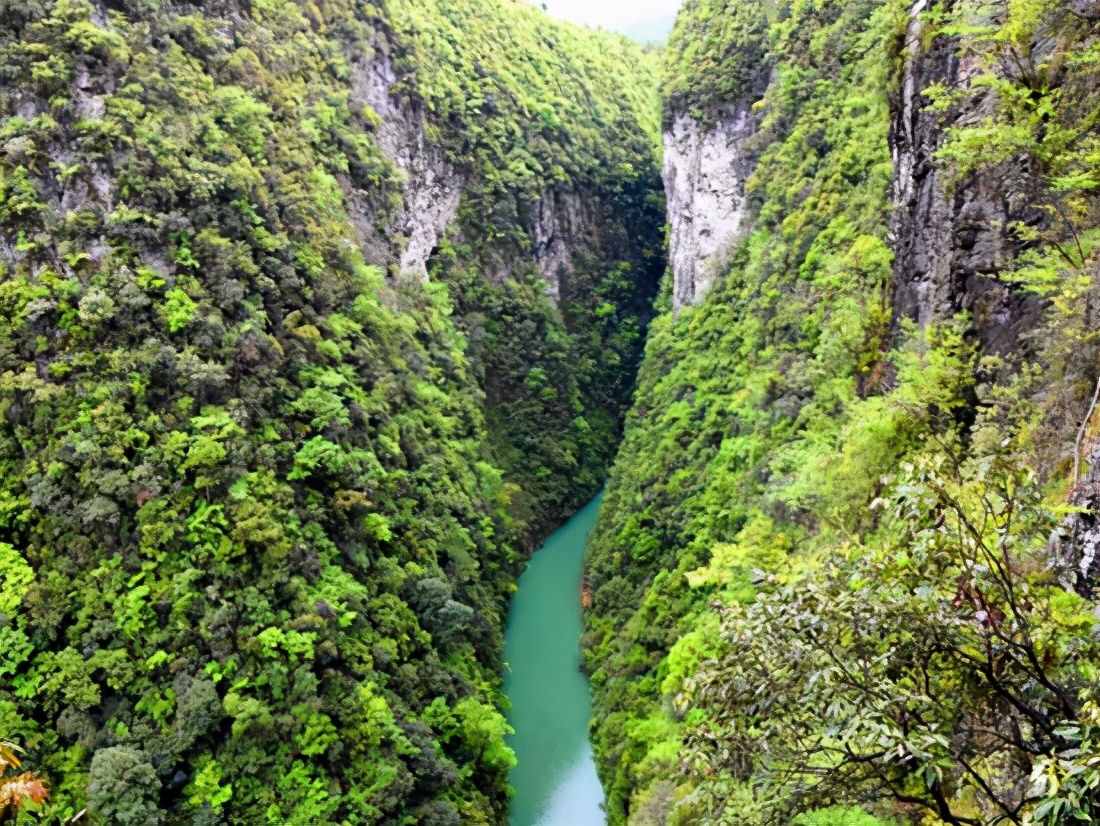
(960, 240)
(952, 237)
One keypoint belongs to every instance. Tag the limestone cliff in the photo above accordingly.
(431, 185)
(562, 225)
(1075, 545)
(718, 71)
(705, 170)
(565, 226)
(955, 240)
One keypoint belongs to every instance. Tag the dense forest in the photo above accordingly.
(266, 476)
(316, 317)
(845, 565)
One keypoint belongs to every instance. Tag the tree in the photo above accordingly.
(124, 788)
(444, 617)
(17, 791)
(936, 672)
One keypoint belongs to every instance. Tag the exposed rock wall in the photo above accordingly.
(951, 239)
(1075, 545)
(93, 188)
(433, 186)
(705, 172)
(565, 225)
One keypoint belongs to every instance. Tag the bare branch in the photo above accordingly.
(1081, 436)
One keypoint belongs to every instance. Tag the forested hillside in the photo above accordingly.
(845, 566)
(314, 316)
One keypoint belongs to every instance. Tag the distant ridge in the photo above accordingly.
(656, 30)
(652, 29)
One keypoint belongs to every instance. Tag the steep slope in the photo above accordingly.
(270, 272)
(718, 68)
(822, 573)
(558, 132)
(723, 382)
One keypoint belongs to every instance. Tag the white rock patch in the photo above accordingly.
(705, 171)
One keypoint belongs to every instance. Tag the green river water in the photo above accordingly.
(555, 780)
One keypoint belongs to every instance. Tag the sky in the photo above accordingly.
(634, 17)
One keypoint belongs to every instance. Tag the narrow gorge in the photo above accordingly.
(318, 318)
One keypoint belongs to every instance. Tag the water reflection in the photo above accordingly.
(555, 781)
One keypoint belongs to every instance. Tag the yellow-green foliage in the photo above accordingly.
(462, 54)
(717, 55)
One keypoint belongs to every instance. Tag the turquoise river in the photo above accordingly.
(555, 780)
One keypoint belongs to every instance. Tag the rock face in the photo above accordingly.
(951, 240)
(433, 186)
(1075, 545)
(563, 227)
(706, 168)
(565, 224)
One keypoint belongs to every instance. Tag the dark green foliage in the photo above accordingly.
(256, 539)
(123, 788)
(555, 405)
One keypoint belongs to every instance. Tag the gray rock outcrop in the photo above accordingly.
(952, 238)
(432, 187)
(562, 224)
(705, 171)
(1075, 544)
